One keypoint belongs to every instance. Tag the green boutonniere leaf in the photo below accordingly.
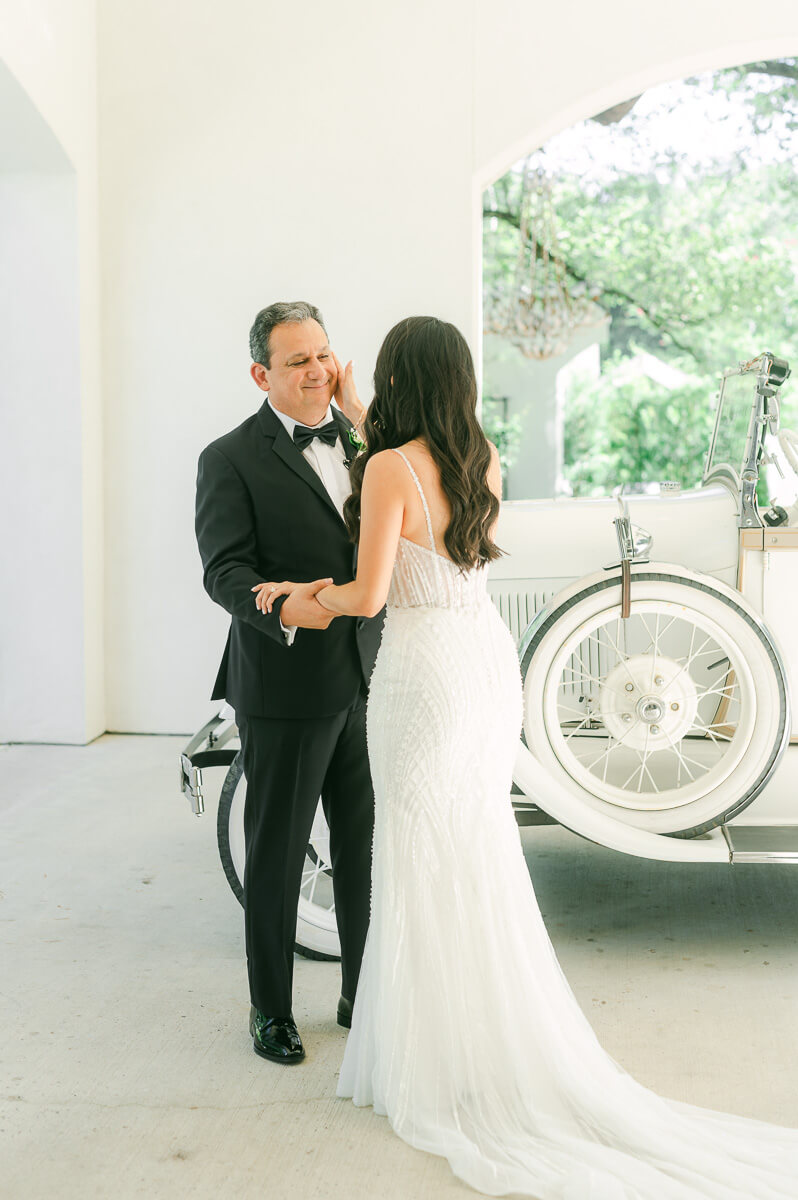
(357, 442)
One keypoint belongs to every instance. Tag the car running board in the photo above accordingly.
(762, 843)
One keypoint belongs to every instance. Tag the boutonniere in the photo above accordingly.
(356, 441)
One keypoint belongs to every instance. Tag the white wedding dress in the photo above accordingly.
(465, 1033)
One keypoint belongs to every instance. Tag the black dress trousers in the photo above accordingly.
(288, 764)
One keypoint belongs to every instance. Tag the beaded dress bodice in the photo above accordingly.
(423, 578)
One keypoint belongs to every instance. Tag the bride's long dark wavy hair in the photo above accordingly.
(425, 387)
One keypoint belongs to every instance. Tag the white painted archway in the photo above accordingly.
(504, 145)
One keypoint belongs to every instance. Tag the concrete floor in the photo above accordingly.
(127, 1069)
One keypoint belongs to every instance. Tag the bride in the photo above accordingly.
(465, 1033)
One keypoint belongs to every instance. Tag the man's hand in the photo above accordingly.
(303, 609)
(301, 606)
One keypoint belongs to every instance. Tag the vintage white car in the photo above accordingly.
(656, 689)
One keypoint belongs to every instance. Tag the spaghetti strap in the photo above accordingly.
(421, 494)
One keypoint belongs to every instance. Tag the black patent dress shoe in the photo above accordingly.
(276, 1038)
(345, 1012)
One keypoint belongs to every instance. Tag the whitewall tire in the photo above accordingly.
(671, 720)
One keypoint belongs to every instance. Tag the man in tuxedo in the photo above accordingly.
(270, 496)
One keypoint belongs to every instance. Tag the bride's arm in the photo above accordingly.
(382, 508)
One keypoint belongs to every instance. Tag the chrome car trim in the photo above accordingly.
(761, 843)
(205, 750)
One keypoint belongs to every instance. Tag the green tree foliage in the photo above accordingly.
(691, 272)
(627, 431)
(501, 429)
(694, 255)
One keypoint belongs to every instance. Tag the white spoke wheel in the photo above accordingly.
(670, 720)
(316, 927)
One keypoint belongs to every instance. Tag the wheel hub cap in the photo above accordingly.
(649, 709)
(648, 702)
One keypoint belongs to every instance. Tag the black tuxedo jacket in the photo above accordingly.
(264, 514)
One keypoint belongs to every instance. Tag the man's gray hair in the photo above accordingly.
(282, 313)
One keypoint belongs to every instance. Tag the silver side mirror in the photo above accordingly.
(634, 542)
(642, 541)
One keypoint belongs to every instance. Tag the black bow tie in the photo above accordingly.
(304, 435)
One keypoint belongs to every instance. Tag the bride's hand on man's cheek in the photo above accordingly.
(345, 392)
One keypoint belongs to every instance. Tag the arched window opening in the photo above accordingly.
(627, 262)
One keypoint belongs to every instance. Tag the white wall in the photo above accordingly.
(41, 596)
(51, 469)
(252, 152)
(255, 151)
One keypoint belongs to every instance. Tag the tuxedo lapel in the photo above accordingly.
(283, 446)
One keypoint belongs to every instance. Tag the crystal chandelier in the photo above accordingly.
(542, 310)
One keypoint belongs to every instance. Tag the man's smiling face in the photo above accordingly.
(301, 376)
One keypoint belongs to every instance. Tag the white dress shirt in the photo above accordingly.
(329, 464)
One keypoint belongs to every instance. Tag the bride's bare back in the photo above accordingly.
(414, 526)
